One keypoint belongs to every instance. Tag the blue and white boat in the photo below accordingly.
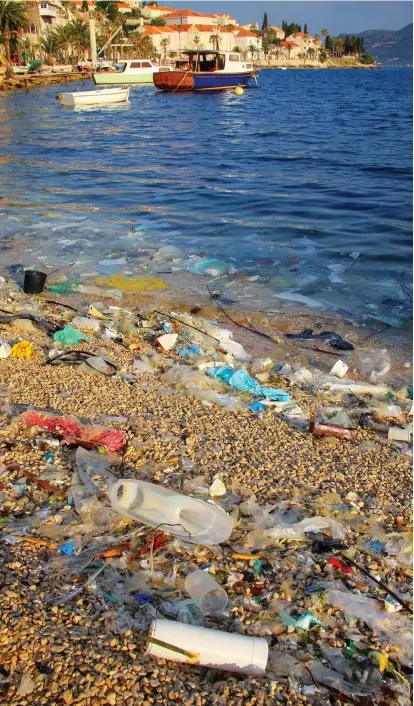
(207, 70)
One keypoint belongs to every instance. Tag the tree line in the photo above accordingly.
(345, 46)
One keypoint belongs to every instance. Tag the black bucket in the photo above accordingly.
(34, 282)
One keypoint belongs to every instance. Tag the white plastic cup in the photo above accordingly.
(214, 649)
(208, 596)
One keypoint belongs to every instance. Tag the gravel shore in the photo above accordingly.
(83, 652)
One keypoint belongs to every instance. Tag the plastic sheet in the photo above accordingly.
(22, 349)
(209, 266)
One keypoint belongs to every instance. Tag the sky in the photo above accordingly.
(337, 16)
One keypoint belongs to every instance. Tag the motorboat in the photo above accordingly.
(206, 70)
(105, 96)
(130, 71)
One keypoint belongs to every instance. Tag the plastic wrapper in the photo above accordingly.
(93, 470)
(400, 546)
(72, 431)
(331, 679)
(22, 349)
(310, 524)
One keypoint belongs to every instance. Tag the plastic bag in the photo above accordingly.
(70, 336)
(241, 380)
(85, 323)
(393, 629)
(22, 349)
(209, 266)
(373, 364)
(310, 524)
(5, 349)
(93, 470)
(138, 283)
(333, 680)
(74, 432)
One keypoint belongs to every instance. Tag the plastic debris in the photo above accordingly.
(241, 380)
(340, 369)
(167, 341)
(5, 349)
(83, 322)
(209, 266)
(373, 364)
(330, 337)
(208, 596)
(70, 336)
(331, 430)
(22, 349)
(72, 431)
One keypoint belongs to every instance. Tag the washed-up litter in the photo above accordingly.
(334, 339)
(5, 349)
(70, 336)
(241, 380)
(22, 349)
(72, 431)
(138, 283)
(209, 266)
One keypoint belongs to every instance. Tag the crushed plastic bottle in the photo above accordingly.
(373, 364)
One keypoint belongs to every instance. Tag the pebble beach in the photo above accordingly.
(89, 649)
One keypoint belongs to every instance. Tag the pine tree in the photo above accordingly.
(305, 29)
(265, 24)
(328, 42)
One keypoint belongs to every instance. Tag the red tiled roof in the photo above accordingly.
(246, 33)
(161, 8)
(199, 28)
(186, 13)
(78, 3)
(288, 44)
(123, 4)
(149, 29)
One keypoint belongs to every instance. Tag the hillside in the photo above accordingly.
(390, 48)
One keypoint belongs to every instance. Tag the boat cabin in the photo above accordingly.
(205, 60)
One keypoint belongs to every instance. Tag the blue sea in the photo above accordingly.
(301, 188)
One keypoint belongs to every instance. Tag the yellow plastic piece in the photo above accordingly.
(139, 283)
(23, 349)
(94, 312)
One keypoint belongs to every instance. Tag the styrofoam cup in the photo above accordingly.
(213, 648)
(208, 596)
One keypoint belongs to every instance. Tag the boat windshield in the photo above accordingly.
(205, 62)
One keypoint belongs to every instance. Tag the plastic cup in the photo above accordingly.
(34, 282)
(208, 596)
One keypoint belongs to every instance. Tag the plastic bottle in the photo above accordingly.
(190, 519)
(218, 650)
(331, 430)
(208, 596)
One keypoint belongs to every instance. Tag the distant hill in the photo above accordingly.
(390, 48)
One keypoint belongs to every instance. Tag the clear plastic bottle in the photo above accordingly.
(208, 596)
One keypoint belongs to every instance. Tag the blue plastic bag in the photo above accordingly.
(241, 380)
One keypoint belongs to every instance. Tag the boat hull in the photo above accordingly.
(117, 79)
(177, 81)
(85, 98)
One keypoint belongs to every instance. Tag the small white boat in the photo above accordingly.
(130, 71)
(20, 70)
(104, 96)
(62, 69)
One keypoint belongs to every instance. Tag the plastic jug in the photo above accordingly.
(188, 518)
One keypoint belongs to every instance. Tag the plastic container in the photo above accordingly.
(208, 596)
(188, 518)
(339, 369)
(218, 650)
(34, 282)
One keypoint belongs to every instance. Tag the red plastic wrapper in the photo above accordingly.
(73, 432)
(339, 565)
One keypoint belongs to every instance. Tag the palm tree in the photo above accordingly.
(196, 41)
(65, 9)
(324, 32)
(49, 45)
(215, 39)
(164, 44)
(80, 36)
(311, 53)
(237, 49)
(13, 20)
(252, 49)
(64, 37)
(143, 46)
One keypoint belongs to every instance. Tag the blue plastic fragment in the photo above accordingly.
(257, 407)
(69, 547)
(143, 597)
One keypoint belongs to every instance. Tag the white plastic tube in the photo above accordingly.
(206, 593)
(219, 650)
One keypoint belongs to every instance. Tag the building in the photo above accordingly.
(189, 17)
(224, 19)
(286, 50)
(250, 26)
(246, 40)
(306, 43)
(152, 12)
(164, 39)
(274, 32)
(195, 36)
(123, 7)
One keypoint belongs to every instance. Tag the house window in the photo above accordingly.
(33, 29)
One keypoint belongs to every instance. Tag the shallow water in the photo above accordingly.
(302, 186)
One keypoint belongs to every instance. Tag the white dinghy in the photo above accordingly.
(105, 96)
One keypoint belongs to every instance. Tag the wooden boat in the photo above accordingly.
(62, 68)
(132, 71)
(104, 96)
(207, 70)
